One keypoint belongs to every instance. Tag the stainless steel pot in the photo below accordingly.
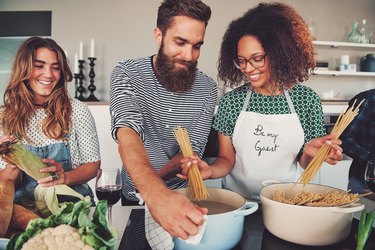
(223, 230)
(314, 226)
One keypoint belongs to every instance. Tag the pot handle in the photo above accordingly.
(355, 207)
(249, 208)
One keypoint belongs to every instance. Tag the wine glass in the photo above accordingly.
(108, 187)
(370, 175)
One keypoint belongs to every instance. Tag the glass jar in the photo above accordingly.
(355, 36)
(366, 32)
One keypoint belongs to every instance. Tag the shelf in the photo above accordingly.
(342, 73)
(344, 44)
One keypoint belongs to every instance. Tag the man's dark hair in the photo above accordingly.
(191, 8)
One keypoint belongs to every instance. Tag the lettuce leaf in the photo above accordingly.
(95, 232)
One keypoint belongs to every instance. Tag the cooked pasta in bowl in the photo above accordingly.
(295, 212)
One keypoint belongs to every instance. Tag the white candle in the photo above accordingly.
(76, 70)
(92, 47)
(81, 50)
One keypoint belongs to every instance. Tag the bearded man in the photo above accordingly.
(149, 97)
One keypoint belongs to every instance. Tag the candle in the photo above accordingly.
(80, 50)
(92, 47)
(76, 71)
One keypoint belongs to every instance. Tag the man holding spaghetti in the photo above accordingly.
(149, 97)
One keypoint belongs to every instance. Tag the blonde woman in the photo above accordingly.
(39, 113)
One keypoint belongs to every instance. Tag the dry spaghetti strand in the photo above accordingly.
(198, 188)
(342, 122)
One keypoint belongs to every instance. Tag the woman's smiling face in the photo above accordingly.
(250, 47)
(45, 74)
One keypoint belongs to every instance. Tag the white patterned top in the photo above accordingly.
(83, 140)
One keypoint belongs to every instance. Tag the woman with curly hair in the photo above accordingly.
(39, 113)
(269, 123)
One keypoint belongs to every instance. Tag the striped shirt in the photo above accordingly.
(140, 102)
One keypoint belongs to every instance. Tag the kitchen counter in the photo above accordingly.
(254, 237)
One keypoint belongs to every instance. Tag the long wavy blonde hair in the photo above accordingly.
(18, 98)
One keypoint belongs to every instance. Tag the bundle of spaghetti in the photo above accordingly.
(342, 122)
(198, 188)
(313, 199)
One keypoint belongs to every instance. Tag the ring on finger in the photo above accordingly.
(55, 176)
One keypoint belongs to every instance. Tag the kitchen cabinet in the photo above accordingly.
(333, 175)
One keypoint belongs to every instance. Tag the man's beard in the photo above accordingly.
(172, 78)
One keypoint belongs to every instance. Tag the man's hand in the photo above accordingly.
(176, 214)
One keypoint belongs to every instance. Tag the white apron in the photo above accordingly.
(266, 148)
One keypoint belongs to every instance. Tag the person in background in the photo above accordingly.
(149, 97)
(271, 122)
(358, 140)
(39, 113)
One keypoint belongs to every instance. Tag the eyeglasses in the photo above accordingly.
(257, 61)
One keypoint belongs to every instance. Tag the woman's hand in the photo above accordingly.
(187, 162)
(3, 139)
(335, 153)
(10, 172)
(57, 173)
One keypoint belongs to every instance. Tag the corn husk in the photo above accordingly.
(45, 197)
(18, 155)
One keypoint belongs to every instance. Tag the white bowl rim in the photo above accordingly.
(299, 206)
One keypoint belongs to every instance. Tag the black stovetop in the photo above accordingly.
(255, 236)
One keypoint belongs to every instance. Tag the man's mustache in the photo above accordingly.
(186, 63)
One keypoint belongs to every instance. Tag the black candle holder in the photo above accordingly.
(76, 77)
(81, 89)
(92, 86)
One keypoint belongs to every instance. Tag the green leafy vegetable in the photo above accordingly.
(95, 232)
(364, 228)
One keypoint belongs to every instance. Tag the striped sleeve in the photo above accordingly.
(125, 111)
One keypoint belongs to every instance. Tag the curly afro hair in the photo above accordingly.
(285, 39)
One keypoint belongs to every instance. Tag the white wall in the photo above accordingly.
(123, 29)
(110, 157)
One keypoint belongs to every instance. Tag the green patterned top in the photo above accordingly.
(306, 103)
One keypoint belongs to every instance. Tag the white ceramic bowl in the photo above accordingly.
(314, 226)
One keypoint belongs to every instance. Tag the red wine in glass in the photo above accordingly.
(111, 193)
(108, 187)
(370, 175)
